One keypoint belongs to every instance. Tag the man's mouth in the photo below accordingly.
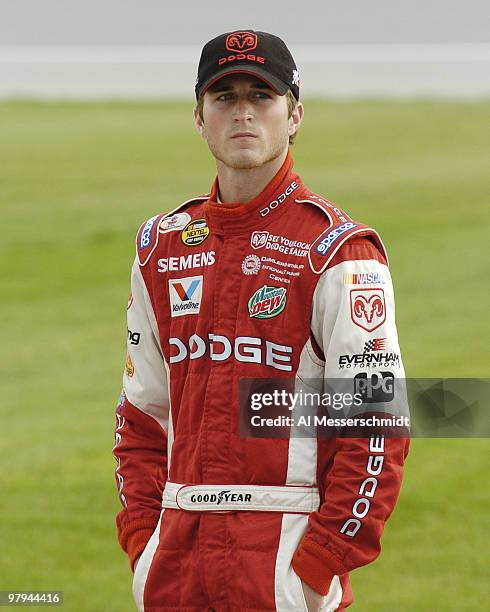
(244, 135)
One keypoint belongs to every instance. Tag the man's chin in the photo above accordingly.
(244, 160)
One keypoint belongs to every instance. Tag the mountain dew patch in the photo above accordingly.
(267, 302)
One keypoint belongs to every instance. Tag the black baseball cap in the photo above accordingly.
(248, 52)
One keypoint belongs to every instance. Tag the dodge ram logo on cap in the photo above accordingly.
(239, 42)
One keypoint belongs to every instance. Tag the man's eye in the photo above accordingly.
(262, 94)
(224, 97)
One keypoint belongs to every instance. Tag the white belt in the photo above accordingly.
(226, 498)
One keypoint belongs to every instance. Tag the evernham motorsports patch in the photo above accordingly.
(185, 295)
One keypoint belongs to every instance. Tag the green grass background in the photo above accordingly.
(76, 181)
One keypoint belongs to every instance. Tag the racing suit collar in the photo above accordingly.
(236, 218)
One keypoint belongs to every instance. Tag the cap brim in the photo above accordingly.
(280, 87)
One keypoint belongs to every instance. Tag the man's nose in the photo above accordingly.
(243, 109)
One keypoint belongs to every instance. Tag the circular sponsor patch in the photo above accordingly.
(195, 232)
(251, 265)
(267, 302)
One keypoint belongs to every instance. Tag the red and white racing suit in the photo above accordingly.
(284, 286)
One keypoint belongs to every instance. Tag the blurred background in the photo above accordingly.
(147, 48)
(96, 135)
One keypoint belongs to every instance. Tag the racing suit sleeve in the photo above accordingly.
(141, 425)
(362, 481)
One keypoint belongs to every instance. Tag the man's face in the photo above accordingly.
(244, 122)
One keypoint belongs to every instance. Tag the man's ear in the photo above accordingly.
(296, 119)
(199, 123)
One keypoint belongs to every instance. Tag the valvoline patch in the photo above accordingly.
(147, 237)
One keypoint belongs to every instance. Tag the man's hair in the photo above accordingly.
(290, 99)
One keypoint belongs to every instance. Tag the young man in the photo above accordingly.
(262, 278)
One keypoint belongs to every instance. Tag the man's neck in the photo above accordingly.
(245, 185)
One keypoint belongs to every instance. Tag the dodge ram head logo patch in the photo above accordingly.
(241, 42)
(259, 239)
(368, 308)
(267, 302)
